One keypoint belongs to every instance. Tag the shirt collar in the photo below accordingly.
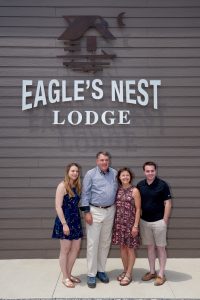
(102, 172)
(153, 183)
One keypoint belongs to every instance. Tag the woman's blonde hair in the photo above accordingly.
(77, 183)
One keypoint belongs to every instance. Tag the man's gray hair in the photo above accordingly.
(105, 153)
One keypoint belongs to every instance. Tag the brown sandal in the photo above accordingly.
(148, 276)
(126, 280)
(159, 281)
(121, 276)
(75, 279)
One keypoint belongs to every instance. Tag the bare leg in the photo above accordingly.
(73, 253)
(65, 246)
(131, 261)
(151, 257)
(124, 257)
(162, 256)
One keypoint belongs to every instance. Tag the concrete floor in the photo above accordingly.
(41, 278)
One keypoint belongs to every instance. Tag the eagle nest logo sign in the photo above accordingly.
(124, 91)
(77, 28)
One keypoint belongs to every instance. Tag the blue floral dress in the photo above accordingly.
(72, 216)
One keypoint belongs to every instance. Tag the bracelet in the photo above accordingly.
(136, 226)
(64, 224)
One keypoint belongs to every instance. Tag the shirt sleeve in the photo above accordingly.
(86, 193)
(166, 192)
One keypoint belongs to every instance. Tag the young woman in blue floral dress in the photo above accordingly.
(67, 226)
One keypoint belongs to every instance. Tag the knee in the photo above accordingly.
(151, 247)
(123, 247)
(161, 249)
(76, 249)
(64, 250)
(130, 250)
(76, 244)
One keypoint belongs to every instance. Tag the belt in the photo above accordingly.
(101, 206)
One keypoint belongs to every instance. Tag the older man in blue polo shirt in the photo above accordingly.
(98, 197)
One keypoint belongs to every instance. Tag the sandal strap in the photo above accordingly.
(75, 279)
(128, 277)
(126, 280)
(121, 276)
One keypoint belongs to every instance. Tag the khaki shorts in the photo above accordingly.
(153, 233)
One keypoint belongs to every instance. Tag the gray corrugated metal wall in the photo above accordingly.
(161, 40)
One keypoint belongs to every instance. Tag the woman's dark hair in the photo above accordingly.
(132, 175)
